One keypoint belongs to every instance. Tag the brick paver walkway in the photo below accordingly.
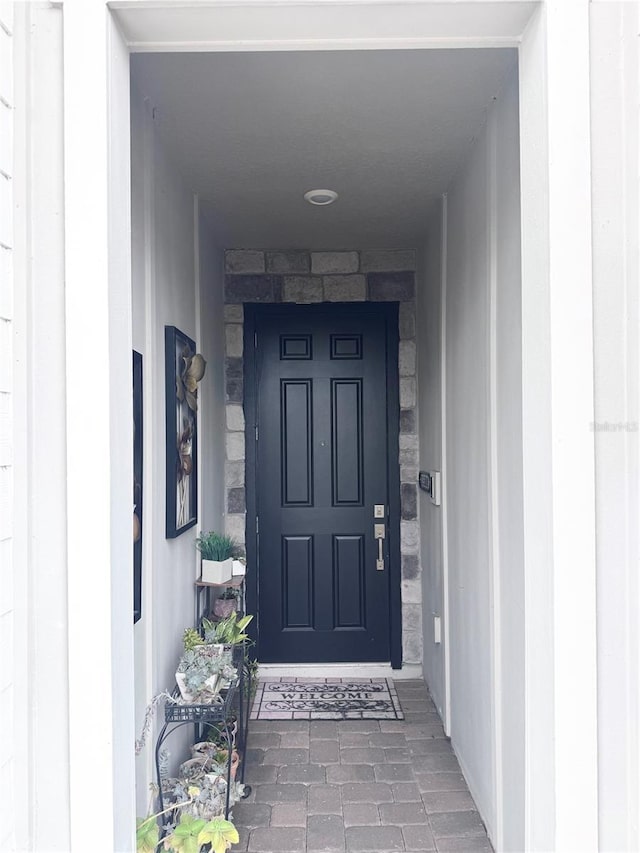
(358, 786)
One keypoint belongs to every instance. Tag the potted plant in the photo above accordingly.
(218, 551)
(188, 835)
(239, 567)
(204, 669)
(194, 833)
(193, 821)
(229, 631)
(200, 788)
(225, 605)
(213, 754)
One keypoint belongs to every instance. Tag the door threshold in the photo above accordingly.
(339, 670)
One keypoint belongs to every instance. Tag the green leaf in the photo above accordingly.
(207, 624)
(191, 638)
(147, 835)
(242, 624)
(220, 834)
(184, 838)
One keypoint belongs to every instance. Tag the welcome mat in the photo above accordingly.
(326, 699)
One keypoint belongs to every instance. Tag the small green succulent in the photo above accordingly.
(205, 673)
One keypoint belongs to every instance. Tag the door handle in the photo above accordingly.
(379, 534)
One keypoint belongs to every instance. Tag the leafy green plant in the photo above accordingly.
(192, 833)
(191, 638)
(189, 836)
(217, 546)
(229, 631)
(184, 838)
(195, 822)
(147, 834)
(220, 834)
(148, 831)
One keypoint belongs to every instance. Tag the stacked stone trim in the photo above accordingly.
(302, 277)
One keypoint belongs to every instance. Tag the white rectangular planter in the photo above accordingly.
(215, 571)
(239, 568)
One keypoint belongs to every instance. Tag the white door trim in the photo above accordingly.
(223, 25)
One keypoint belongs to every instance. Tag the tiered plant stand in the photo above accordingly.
(204, 590)
(218, 717)
(242, 697)
(212, 716)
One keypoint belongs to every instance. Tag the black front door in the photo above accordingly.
(322, 407)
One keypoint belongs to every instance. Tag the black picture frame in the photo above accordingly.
(138, 468)
(181, 435)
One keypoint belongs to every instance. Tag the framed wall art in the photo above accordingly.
(184, 368)
(137, 486)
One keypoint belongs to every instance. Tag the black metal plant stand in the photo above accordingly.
(220, 716)
(213, 716)
(242, 696)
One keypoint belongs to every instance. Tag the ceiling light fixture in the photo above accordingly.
(321, 197)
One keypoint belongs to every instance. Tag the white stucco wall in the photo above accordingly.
(212, 403)
(615, 97)
(429, 340)
(39, 655)
(177, 280)
(7, 603)
(475, 325)
(468, 465)
(507, 475)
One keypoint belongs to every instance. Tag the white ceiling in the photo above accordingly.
(251, 132)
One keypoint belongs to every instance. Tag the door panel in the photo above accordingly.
(321, 465)
(349, 580)
(347, 442)
(296, 450)
(297, 581)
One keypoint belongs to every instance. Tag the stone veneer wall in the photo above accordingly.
(339, 276)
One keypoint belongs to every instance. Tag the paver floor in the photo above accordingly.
(358, 786)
